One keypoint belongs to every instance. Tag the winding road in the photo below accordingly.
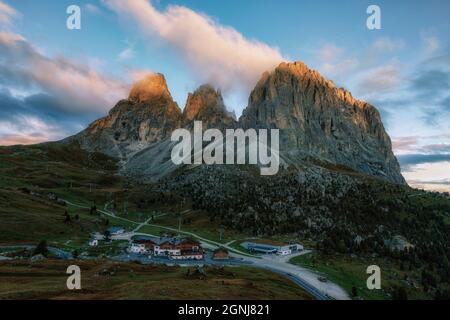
(306, 279)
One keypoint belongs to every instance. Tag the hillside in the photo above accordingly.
(317, 122)
(103, 280)
(337, 212)
(339, 190)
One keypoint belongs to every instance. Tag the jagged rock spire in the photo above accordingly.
(318, 120)
(151, 87)
(206, 104)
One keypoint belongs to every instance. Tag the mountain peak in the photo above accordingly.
(204, 98)
(206, 104)
(151, 87)
(318, 122)
(300, 73)
(321, 121)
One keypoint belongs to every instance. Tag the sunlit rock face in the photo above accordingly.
(148, 116)
(150, 88)
(320, 124)
(318, 120)
(206, 105)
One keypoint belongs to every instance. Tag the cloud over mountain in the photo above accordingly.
(46, 98)
(34, 119)
(216, 54)
(78, 87)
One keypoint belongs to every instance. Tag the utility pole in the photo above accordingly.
(108, 199)
(125, 203)
(221, 231)
(179, 215)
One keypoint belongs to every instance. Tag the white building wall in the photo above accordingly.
(161, 252)
(139, 249)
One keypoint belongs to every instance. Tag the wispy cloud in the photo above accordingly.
(422, 144)
(409, 160)
(430, 42)
(334, 62)
(78, 87)
(7, 13)
(388, 45)
(37, 118)
(127, 54)
(429, 87)
(405, 143)
(376, 74)
(27, 130)
(57, 96)
(339, 63)
(329, 52)
(425, 161)
(216, 54)
(92, 9)
(437, 148)
(431, 176)
(379, 80)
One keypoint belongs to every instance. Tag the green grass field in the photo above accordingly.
(350, 272)
(27, 177)
(199, 223)
(47, 280)
(28, 215)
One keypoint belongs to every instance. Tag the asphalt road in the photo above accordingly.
(305, 285)
(306, 279)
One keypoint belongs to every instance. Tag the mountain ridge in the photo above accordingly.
(320, 120)
(316, 119)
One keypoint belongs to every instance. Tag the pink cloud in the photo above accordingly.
(26, 130)
(77, 92)
(430, 176)
(405, 143)
(7, 13)
(217, 54)
(78, 87)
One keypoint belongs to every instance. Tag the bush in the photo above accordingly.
(41, 248)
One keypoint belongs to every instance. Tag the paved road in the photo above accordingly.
(140, 225)
(286, 258)
(305, 278)
(309, 288)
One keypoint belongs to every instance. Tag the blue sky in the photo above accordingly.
(403, 69)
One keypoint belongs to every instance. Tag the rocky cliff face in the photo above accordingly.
(320, 121)
(206, 105)
(148, 116)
